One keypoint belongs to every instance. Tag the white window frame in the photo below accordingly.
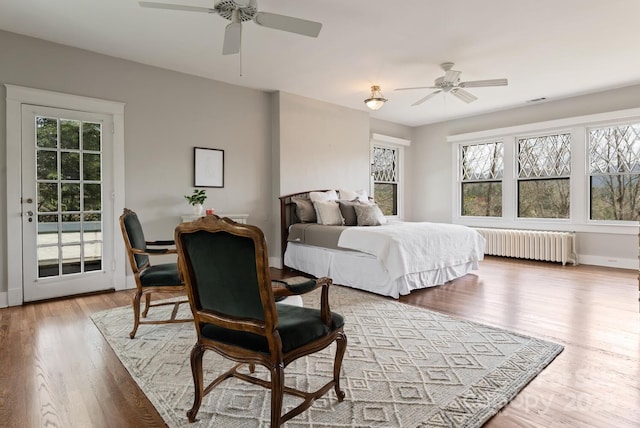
(381, 140)
(579, 214)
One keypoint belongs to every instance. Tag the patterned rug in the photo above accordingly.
(404, 367)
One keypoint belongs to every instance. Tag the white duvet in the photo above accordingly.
(406, 247)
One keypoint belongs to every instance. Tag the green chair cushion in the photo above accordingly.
(159, 275)
(297, 327)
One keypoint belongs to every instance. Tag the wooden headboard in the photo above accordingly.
(288, 217)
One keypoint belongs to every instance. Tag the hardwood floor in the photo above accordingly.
(56, 370)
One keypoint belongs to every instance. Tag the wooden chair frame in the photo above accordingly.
(146, 291)
(275, 360)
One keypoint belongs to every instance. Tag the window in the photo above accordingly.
(544, 169)
(385, 172)
(482, 171)
(614, 168)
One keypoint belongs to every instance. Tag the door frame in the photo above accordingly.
(16, 97)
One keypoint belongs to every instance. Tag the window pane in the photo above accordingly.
(47, 230)
(46, 132)
(47, 165)
(386, 196)
(91, 133)
(70, 197)
(385, 164)
(482, 161)
(92, 197)
(615, 197)
(482, 199)
(70, 165)
(614, 149)
(48, 261)
(70, 228)
(546, 156)
(91, 167)
(47, 197)
(543, 198)
(71, 259)
(69, 134)
(92, 256)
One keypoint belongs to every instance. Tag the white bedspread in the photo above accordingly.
(408, 247)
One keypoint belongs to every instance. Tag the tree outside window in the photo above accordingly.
(482, 169)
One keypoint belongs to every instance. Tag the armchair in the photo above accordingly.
(226, 272)
(159, 278)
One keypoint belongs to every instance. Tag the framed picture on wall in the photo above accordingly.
(208, 167)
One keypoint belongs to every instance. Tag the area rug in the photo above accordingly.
(404, 367)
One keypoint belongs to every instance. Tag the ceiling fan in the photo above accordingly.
(451, 83)
(238, 11)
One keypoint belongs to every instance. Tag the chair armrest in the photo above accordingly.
(154, 252)
(301, 285)
(163, 243)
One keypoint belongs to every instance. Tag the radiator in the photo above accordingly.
(531, 244)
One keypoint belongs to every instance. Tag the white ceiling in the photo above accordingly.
(546, 48)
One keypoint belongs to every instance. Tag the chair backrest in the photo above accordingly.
(226, 269)
(134, 238)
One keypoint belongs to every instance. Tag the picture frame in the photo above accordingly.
(208, 170)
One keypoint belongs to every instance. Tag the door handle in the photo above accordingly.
(29, 213)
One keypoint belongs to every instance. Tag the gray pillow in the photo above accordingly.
(369, 215)
(304, 210)
(348, 212)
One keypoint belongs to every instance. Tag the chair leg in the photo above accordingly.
(277, 391)
(196, 369)
(135, 302)
(147, 301)
(341, 346)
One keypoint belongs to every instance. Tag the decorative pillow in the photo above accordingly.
(329, 195)
(328, 213)
(348, 212)
(350, 195)
(369, 215)
(304, 210)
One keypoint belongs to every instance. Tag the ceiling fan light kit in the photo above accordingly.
(450, 83)
(239, 11)
(376, 100)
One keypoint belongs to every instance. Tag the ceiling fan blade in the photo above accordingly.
(480, 83)
(465, 96)
(170, 6)
(421, 100)
(288, 23)
(451, 76)
(417, 87)
(232, 38)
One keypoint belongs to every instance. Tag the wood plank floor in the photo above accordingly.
(56, 370)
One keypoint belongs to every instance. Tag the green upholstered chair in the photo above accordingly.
(158, 278)
(226, 271)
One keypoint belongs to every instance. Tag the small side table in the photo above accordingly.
(238, 218)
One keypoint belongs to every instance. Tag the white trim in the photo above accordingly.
(390, 140)
(4, 302)
(608, 262)
(548, 126)
(16, 96)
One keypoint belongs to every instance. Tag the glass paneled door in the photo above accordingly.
(67, 238)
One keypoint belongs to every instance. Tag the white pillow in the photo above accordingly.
(350, 195)
(328, 213)
(329, 195)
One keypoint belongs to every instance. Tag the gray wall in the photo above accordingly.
(166, 115)
(432, 161)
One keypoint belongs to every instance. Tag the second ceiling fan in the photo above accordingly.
(451, 83)
(238, 11)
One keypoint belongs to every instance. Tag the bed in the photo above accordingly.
(391, 259)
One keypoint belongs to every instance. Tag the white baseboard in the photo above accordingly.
(4, 302)
(608, 261)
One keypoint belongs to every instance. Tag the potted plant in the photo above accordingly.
(196, 200)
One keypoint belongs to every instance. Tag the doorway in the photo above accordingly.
(63, 199)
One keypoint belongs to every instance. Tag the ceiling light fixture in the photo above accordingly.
(376, 99)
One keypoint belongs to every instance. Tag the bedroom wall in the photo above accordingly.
(166, 115)
(432, 165)
(319, 146)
